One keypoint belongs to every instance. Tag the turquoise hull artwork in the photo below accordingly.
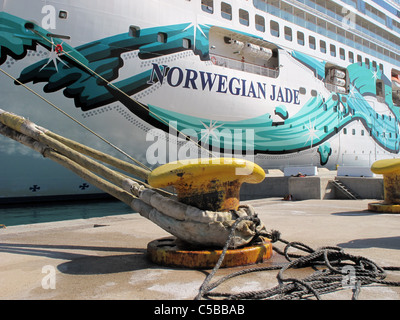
(318, 119)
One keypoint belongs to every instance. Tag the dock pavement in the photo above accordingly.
(106, 258)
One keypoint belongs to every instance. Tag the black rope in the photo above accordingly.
(334, 270)
(204, 287)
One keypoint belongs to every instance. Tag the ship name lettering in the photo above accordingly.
(219, 83)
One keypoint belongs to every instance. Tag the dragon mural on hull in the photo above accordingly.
(71, 73)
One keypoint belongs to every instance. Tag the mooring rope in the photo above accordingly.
(334, 270)
(108, 83)
(204, 289)
(75, 120)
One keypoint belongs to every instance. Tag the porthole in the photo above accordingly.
(63, 14)
(134, 31)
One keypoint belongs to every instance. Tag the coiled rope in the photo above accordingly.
(334, 270)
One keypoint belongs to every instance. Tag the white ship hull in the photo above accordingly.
(178, 62)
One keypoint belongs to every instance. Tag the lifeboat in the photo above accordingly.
(339, 73)
(338, 79)
(256, 51)
(237, 45)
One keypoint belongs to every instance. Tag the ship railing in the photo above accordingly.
(337, 20)
(244, 66)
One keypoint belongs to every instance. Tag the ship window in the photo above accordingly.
(353, 132)
(380, 89)
(288, 33)
(367, 63)
(207, 6)
(300, 38)
(63, 14)
(226, 11)
(333, 50)
(274, 28)
(342, 54)
(244, 17)
(311, 42)
(162, 37)
(381, 67)
(186, 43)
(374, 65)
(344, 131)
(359, 59)
(322, 46)
(351, 57)
(134, 31)
(260, 23)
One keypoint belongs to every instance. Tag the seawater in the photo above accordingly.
(14, 215)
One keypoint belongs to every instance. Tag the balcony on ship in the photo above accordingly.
(244, 66)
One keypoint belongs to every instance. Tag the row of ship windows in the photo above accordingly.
(334, 11)
(332, 20)
(333, 32)
(353, 132)
(374, 13)
(337, 29)
(274, 27)
(226, 13)
(362, 132)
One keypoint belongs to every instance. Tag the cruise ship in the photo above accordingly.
(307, 83)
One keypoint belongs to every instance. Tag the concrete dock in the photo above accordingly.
(106, 258)
(319, 187)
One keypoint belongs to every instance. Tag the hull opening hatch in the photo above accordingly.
(241, 52)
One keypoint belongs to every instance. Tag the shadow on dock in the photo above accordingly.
(384, 243)
(84, 264)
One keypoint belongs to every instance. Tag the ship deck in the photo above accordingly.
(106, 257)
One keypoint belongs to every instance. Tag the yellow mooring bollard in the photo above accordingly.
(208, 184)
(390, 169)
